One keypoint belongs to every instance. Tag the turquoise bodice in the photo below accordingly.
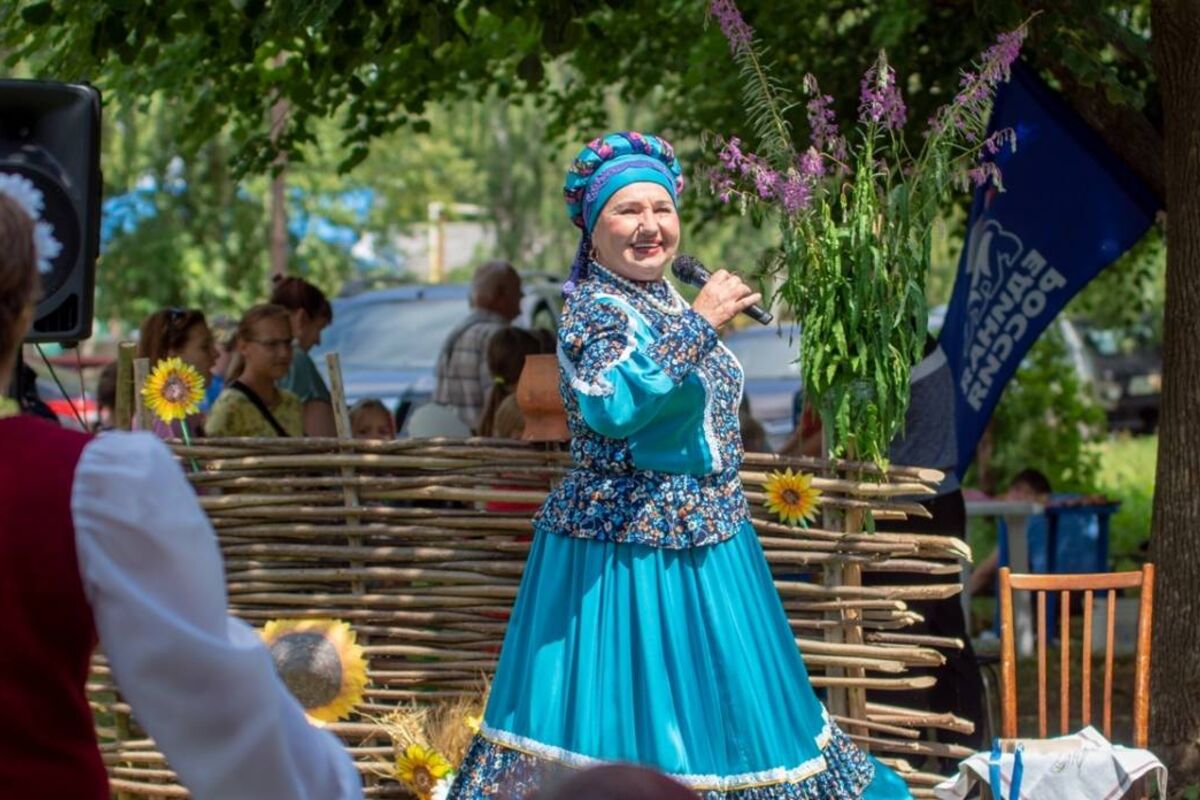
(652, 401)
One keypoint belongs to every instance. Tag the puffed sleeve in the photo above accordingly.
(619, 371)
(200, 682)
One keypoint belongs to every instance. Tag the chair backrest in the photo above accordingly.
(1065, 584)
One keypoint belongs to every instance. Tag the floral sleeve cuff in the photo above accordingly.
(681, 348)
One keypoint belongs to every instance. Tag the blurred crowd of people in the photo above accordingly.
(259, 377)
(262, 382)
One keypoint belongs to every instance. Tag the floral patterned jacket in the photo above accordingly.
(652, 401)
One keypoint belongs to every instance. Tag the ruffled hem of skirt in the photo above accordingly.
(492, 769)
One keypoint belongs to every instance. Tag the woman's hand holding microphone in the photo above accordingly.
(723, 298)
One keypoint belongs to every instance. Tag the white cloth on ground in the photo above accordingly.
(1084, 764)
(200, 682)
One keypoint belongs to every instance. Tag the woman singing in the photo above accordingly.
(647, 628)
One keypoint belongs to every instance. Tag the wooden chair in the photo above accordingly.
(1089, 585)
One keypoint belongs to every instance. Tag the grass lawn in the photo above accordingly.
(1127, 474)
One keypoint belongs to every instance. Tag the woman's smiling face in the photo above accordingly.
(637, 232)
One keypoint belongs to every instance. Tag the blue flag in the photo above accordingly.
(1070, 208)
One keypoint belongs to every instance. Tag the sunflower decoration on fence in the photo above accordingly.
(425, 771)
(792, 497)
(174, 391)
(320, 663)
(429, 740)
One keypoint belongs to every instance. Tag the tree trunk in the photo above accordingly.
(1175, 542)
(280, 110)
(279, 237)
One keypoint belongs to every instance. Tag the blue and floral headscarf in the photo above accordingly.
(605, 166)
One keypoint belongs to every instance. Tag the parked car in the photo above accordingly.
(1123, 366)
(55, 374)
(769, 359)
(67, 409)
(389, 340)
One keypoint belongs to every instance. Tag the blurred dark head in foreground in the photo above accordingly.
(617, 782)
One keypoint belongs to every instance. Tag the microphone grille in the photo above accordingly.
(688, 269)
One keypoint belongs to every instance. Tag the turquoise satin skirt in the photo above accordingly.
(682, 660)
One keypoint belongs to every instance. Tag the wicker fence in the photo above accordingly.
(397, 539)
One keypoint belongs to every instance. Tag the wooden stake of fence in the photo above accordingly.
(142, 413)
(123, 407)
(856, 697)
(123, 413)
(341, 419)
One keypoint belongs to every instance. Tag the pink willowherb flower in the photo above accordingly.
(981, 174)
(767, 181)
(731, 155)
(722, 184)
(822, 123)
(733, 26)
(879, 97)
(976, 88)
(992, 145)
(999, 58)
(810, 164)
(794, 194)
(791, 191)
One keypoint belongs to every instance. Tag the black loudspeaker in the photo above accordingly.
(50, 151)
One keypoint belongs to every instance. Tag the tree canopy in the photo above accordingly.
(376, 65)
(397, 73)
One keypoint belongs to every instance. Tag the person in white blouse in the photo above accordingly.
(103, 539)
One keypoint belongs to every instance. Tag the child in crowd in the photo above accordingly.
(506, 352)
(508, 421)
(370, 419)
(501, 416)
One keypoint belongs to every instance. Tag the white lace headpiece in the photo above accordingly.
(45, 247)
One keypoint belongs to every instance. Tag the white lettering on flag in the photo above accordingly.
(1008, 292)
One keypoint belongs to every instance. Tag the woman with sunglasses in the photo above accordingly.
(178, 333)
(252, 403)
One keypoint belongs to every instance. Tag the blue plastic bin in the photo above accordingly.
(1066, 539)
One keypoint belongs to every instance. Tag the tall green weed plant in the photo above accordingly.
(856, 215)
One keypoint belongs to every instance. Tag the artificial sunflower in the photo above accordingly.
(792, 497)
(173, 390)
(320, 664)
(422, 768)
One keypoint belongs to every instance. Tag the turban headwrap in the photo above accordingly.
(601, 169)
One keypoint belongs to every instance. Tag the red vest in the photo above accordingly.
(47, 737)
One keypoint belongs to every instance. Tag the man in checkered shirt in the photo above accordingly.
(463, 378)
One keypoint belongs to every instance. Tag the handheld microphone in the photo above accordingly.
(692, 272)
